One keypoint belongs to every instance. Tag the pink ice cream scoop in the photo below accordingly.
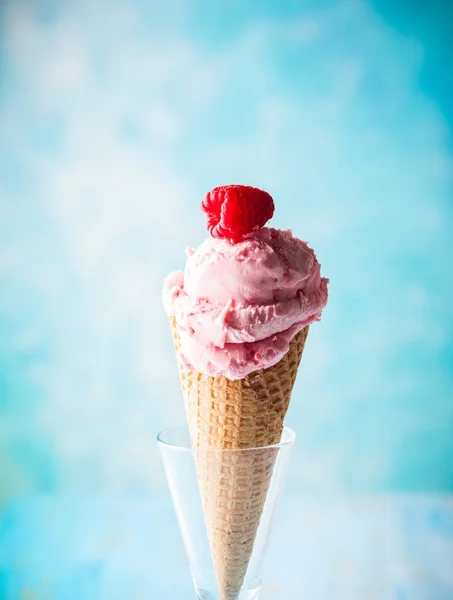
(238, 304)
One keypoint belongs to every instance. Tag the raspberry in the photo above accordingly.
(233, 211)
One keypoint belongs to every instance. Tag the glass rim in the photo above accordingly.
(286, 431)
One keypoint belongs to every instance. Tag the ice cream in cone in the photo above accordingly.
(240, 315)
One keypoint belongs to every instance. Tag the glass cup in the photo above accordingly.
(225, 501)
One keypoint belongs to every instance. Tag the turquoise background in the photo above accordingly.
(116, 118)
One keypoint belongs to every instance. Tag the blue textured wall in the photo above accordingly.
(114, 121)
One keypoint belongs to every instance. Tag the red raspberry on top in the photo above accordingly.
(233, 211)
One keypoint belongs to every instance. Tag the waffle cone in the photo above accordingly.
(224, 414)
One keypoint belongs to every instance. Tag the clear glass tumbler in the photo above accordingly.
(224, 502)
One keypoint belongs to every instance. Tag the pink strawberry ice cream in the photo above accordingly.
(238, 305)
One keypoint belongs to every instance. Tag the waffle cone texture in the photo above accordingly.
(228, 415)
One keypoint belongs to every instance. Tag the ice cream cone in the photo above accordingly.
(240, 314)
(236, 414)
